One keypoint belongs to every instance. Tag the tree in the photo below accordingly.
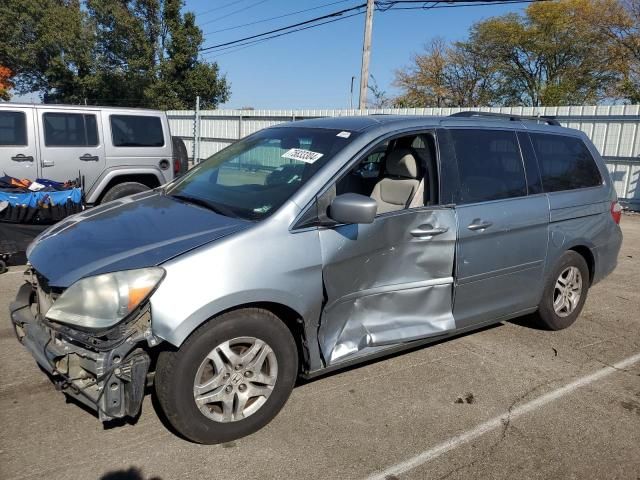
(5, 83)
(446, 76)
(380, 97)
(141, 53)
(620, 25)
(553, 54)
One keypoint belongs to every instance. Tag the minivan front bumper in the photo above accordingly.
(110, 380)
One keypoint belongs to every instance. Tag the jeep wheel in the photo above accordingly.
(124, 190)
(565, 292)
(230, 377)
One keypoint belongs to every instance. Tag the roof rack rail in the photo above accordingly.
(506, 116)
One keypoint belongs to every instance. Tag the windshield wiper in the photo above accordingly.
(219, 209)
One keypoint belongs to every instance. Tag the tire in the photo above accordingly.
(557, 319)
(178, 371)
(124, 190)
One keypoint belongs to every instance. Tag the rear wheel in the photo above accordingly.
(230, 378)
(124, 190)
(565, 292)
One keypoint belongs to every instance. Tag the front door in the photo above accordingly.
(18, 144)
(71, 145)
(387, 282)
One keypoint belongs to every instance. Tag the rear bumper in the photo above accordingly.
(111, 381)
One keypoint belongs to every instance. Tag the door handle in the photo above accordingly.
(480, 225)
(21, 157)
(48, 163)
(89, 158)
(428, 231)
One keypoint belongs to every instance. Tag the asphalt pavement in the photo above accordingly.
(507, 402)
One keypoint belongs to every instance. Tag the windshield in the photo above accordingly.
(253, 177)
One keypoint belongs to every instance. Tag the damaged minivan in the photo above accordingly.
(310, 246)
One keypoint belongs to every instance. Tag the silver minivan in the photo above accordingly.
(311, 246)
(112, 152)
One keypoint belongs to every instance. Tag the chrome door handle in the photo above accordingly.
(478, 224)
(89, 158)
(428, 231)
(21, 157)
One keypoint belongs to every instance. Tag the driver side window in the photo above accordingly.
(397, 174)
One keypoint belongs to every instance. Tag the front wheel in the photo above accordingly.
(230, 378)
(565, 292)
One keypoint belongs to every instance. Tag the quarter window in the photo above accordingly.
(136, 131)
(70, 130)
(13, 129)
(489, 165)
(565, 163)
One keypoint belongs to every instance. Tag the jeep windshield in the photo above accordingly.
(253, 177)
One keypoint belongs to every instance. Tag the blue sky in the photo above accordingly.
(313, 68)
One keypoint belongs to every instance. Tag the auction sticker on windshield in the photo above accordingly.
(302, 155)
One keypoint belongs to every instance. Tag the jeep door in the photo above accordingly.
(390, 281)
(503, 221)
(71, 145)
(18, 144)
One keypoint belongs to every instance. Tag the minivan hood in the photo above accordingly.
(135, 232)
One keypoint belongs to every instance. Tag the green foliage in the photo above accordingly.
(141, 53)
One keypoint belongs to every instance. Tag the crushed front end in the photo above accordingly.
(106, 370)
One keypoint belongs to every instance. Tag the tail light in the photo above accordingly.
(176, 166)
(616, 212)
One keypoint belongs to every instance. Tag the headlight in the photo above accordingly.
(104, 300)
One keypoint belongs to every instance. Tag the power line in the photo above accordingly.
(221, 7)
(275, 18)
(260, 40)
(233, 13)
(306, 22)
(279, 32)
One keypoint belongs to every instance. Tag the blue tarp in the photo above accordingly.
(35, 199)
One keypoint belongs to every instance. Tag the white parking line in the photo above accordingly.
(500, 420)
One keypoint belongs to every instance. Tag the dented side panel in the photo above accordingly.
(385, 285)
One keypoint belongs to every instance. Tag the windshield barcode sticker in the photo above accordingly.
(302, 155)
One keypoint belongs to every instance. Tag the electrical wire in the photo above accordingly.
(389, 5)
(233, 13)
(288, 27)
(260, 40)
(235, 27)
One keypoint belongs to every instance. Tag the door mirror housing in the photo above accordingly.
(353, 208)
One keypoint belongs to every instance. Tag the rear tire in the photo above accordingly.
(124, 190)
(198, 407)
(565, 292)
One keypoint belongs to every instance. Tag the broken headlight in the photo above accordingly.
(103, 300)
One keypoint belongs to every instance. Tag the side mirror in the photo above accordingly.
(353, 208)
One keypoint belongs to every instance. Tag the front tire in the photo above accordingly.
(565, 292)
(124, 190)
(230, 378)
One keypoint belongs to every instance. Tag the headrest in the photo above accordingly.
(402, 163)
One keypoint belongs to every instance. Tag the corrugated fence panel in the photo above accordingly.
(614, 130)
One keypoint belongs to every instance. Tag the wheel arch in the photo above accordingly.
(588, 256)
(151, 177)
(291, 318)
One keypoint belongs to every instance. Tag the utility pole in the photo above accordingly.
(366, 53)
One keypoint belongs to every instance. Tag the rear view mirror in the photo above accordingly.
(353, 208)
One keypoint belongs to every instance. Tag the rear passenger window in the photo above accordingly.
(13, 129)
(565, 163)
(70, 130)
(489, 165)
(136, 131)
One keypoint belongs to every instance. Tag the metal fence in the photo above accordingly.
(614, 129)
